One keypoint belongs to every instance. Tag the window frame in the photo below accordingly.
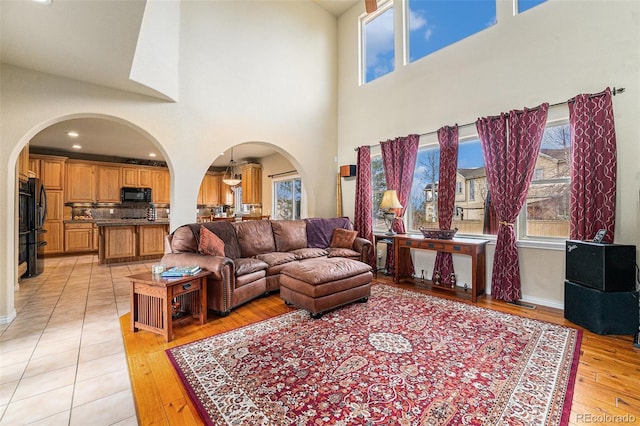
(274, 197)
(363, 20)
(523, 240)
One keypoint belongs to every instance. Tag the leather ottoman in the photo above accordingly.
(319, 285)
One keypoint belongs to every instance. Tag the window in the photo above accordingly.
(287, 198)
(377, 43)
(545, 215)
(547, 207)
(436, 24)
(378, 186)
(523, 5)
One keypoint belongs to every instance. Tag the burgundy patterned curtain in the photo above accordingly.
(593, 166)
(448, 140)
(399, 161)
(363, 220)
(510, 145)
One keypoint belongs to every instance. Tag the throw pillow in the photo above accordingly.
(210, 243)
(343, 238)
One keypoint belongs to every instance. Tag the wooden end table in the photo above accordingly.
(151, 298)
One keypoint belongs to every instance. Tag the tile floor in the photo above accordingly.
(62, 360)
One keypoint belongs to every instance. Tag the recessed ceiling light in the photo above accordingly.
(45, 2)
(152, 154)
(76, 146)
(72, 134)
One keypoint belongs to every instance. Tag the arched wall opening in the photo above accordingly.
(274, 161)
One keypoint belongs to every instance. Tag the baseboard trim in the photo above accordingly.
(6, 319)
(543, 302)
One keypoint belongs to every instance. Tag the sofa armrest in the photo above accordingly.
(222, 268)
(362, 246)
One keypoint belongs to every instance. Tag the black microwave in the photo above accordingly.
(135, 195)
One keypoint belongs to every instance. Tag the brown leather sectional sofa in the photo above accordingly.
(255, 252)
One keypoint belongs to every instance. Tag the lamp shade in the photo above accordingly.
(390, 200)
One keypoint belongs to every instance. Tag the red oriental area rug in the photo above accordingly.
(403, 358)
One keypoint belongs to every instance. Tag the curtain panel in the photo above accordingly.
(510, 145)
(399, 161)
(593, 166)
(448, 141)
(363, 214)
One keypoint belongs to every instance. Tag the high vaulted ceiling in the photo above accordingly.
(91, 41)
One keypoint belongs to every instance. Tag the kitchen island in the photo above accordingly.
(130, 240)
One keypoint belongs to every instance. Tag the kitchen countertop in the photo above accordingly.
(120, 222)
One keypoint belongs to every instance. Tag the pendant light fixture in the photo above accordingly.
(231, 176)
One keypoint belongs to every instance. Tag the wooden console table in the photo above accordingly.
(151, 297)
(467, 246)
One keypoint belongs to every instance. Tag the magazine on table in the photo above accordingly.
(181, 271)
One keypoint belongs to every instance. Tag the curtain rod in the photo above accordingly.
(283, 173)
(614, 91)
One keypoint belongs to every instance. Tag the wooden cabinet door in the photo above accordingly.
(53, 222)
(161, 186)
(108, 184)
(209, 194)
(78, 237)
(94, 237)
(119, 241)
(23, 164)
(151, 239)
(80, 183)
(52, 172)
(129, 176)
(34, 166)
(252, 184)
(54, 237)
(144, 178)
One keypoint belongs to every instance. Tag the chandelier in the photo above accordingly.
(231, 176)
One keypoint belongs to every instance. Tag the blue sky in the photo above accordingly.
(433, 25)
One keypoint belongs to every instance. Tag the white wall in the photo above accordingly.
(548, 54)
(264, 71)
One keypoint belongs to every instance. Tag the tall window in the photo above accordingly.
(435, 24)
(287, 198)
(547, 208)
(377, 43)
(378, 186)
(545, 216)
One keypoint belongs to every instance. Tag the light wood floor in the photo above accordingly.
(607, 383)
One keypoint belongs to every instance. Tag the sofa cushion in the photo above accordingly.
(289, 234)
(309, 253)
(343, 238)
(254, 237)
(227, 233)
(210, 243)
(276, 258)
(249, 265)
(342, 252)
(320, 230)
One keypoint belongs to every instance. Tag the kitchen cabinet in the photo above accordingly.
(251, 184)
(130, 241)
(23, 164)
(50, 169)
(137, 177)
(117, 242)
(79, 237)
(161, 186)
(80, 182)
(151, 240)
(53, 223)
(210, 194)
(108, 184)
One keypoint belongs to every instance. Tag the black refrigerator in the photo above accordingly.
(36, 215)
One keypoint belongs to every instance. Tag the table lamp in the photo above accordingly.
(390, 203)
